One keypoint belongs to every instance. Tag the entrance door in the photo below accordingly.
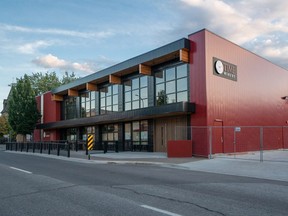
(161, 136)
(165, 131)
(218, 137)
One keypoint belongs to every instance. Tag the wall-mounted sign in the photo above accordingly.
(224, 69)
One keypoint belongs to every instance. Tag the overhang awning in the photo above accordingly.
(181, 108)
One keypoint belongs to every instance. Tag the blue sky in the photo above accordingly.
(89, 35)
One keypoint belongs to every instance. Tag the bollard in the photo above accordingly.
(105, 147)
(86, 148)
(76, 145)
(116, 146)
(49, 148)
(41, 148)
(58, 149)
(68, 149)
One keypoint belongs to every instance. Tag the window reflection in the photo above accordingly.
(109, 99)
(110, 132)
(137, 96)
(171, 85)
(137, 132)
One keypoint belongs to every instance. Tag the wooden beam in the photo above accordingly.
(114, 79)
(91, 87)
(56, 97)
(184, 55)
(144, 69)
(72, 92)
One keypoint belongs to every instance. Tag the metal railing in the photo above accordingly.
(56, 148)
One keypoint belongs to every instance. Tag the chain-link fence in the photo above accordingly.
(242, 142)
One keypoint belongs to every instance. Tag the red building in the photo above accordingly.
(203, 80)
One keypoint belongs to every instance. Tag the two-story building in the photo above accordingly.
(202, 80)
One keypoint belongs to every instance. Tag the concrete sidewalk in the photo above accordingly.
(229, 165)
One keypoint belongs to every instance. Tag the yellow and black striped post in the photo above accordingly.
(90, 142)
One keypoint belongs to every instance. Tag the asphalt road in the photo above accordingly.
(31, 185)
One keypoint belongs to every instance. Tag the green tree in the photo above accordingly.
(42, 83)
(4, 126)
(22, 107)
(67, 78)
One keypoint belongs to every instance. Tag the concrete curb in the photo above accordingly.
(83, 160)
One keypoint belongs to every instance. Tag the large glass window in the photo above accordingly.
(110, 132)
(71, 134)
(70, 110)
(109, 99)
(136, 93)
(88, 104)
(137, 132)
(171, 85)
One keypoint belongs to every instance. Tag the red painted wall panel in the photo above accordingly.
(51, 113)
(51, 109)
(253, 100)
(197, 69)
(179, 148)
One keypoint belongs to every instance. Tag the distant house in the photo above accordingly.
(4, 112)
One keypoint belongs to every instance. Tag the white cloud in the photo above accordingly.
(50, 61)
(276, 52)
(62, 32)
(239, 20)
(31, 48)
(258, 25)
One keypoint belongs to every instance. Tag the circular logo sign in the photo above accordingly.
(219, 67)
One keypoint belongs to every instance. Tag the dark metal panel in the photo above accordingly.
(97, 106)
(145, 113)
(150, 135)
(121, 136)
(121, 98)
(151, 91)
(156, 53)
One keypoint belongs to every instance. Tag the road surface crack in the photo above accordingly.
(169, 199)
(36, 192)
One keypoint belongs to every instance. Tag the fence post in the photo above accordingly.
(210, 142)
(105, 147)
(58, 149)
(86, 147)
(68, 149)
(234, 143)
(41, 147)
(116, 147)
(261, 144)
